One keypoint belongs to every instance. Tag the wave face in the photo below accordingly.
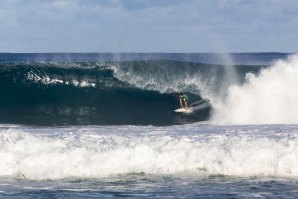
(106, 93)
(267, 98)
(84, 93)
(97, 152)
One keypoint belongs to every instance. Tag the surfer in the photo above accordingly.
(183, 98)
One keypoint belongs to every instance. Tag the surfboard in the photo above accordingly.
(201, 106)
(183, 110)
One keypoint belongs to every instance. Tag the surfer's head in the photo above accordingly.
(180, 95)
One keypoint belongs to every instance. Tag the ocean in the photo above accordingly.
(102, 125)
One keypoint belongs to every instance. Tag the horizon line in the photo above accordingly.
(148, 52)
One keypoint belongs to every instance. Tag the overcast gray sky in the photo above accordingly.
(148, 25)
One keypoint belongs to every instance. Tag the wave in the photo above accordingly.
(107, 93)
(98, 152)
(133, 92)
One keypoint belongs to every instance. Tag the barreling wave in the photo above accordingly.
(110, 93)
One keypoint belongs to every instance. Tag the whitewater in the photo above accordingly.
(271, 94)
(69, 141)
(98, 152)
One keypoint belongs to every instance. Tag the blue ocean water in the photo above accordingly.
(103, 126)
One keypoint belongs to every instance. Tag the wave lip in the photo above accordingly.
(108, 151)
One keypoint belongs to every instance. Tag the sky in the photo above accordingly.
(182, 26)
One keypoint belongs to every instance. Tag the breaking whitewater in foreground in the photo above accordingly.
(91, 125)
(128, 161)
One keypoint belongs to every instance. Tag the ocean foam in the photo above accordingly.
(46, 80)
(77, 152)
(267, 98)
